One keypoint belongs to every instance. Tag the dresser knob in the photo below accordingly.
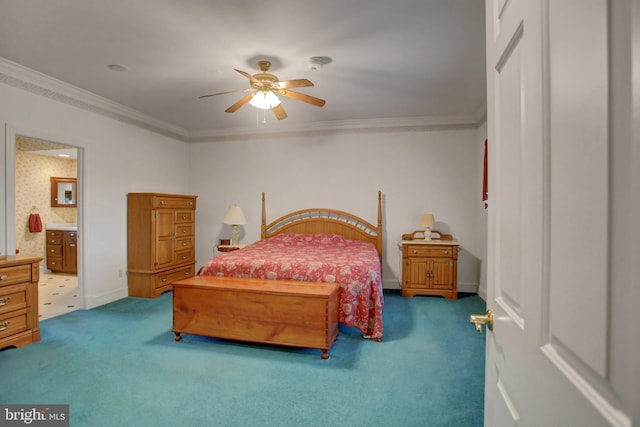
(445, 252)
(415, 251)
(4, 301)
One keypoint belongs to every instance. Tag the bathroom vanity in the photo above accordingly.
(62, 248)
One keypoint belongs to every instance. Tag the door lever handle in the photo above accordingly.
(482, 319)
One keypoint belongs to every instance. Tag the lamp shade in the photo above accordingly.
(428, 221)
(234, 216)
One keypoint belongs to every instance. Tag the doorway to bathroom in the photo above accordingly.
(46, 223)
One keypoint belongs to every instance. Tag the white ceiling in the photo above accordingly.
(396, 61)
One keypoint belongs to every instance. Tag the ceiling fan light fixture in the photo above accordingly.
(265, 100)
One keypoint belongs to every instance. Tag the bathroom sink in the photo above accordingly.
(62, 226)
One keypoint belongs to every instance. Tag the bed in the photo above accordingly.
(318, 245)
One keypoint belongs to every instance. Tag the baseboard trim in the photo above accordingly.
(93, 301)
(469, 288)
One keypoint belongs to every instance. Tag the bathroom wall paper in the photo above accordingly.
(33, 193)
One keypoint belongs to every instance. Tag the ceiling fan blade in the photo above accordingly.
(302, 97)
(250, 77)
(224, 93)
(279, 112)
(240, 103)
(288, 84)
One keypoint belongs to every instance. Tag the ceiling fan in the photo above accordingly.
(264, 88)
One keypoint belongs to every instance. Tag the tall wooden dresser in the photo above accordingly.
(19, 301)
(160, 241)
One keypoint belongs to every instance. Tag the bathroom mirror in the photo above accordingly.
(64, 192)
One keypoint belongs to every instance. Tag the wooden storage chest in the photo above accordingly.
(299, 314)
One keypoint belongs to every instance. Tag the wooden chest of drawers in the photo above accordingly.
(161, 241)
(430, 268)
(19, 301)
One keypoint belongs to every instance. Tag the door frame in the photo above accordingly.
(11, 132)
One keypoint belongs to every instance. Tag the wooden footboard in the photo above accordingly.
(299, 314)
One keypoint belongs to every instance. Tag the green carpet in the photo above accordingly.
(118, 365)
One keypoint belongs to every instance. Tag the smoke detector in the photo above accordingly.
(317, 62)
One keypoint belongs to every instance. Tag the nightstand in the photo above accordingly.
(228, 248)
(430, 267)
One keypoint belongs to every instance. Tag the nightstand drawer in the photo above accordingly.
(429, 251)
(17, 274)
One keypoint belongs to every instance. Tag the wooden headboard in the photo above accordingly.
(316, 221)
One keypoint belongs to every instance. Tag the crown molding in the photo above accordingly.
(37, 83)
(342, 126)
(40, 84)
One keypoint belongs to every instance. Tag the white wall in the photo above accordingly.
(116, 158)
(417, 172)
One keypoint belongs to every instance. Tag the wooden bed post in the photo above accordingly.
(379, 230)
(263, 227)
(380, 210)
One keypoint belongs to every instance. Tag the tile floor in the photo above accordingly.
(57, 294)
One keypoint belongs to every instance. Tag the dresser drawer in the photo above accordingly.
(429, 251)
(12, 298)
(13, 323)
(183, 243)
(173, 202)
(184, 217)
(183, 230)
(184, 256)
(164, 279)
(17, 274)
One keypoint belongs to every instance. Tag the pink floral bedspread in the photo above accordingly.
(328, 258)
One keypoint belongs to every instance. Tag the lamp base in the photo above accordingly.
(235, 235)
(427, 235)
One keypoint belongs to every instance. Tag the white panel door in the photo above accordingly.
(560, 272)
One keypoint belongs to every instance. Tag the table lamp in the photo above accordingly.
(234, 217)
(428, 222)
